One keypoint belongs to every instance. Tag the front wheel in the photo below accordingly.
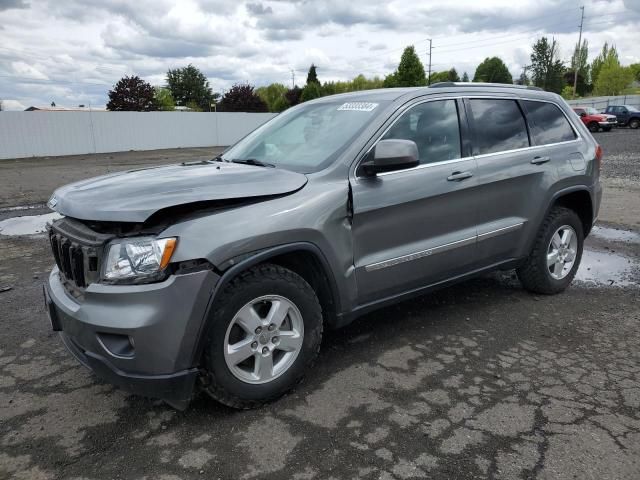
(266, 332)
(634, 123)
(593, 127)
(556, 254)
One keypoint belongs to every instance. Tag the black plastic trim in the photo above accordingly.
(175, 388)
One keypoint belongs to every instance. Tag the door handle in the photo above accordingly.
(457, 176)
(540, 160)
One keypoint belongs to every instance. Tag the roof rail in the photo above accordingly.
(480, 84)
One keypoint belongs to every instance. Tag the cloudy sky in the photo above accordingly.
(73, 51)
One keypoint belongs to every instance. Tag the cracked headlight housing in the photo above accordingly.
(138, 260)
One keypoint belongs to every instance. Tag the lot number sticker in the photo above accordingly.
(358, 106)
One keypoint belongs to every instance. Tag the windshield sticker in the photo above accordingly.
(358, 106)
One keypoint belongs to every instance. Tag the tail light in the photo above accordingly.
(599, 153)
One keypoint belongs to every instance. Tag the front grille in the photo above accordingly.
(77, 251)
(70, 258)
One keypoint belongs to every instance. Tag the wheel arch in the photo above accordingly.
(579, 200)
(304, 258)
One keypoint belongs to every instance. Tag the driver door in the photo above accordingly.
(416, 227)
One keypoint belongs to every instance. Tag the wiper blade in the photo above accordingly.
(252, 161)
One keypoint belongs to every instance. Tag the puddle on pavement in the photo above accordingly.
(27, 225)
(606, 268)
(615, 235)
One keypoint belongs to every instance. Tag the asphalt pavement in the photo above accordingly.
(480, 380)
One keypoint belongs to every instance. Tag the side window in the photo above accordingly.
(548, 124)
(434, 127)
(499, 125)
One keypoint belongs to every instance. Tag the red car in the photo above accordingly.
(595, 120)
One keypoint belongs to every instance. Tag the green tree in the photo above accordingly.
(293, 95)
(465, 77)
(567, 92)
(189, 86)
(493, 70)
(363, 83)
(439, 77)
(635, 68)
(546, 66)
(410, 72)
(390, 80)
(310, 91)
(613, 78)
(607, 54)
(312, 76)
(242, 98)
(452, 75)
(579, 62)
(273, 95)
(132, 94)
(164, 99)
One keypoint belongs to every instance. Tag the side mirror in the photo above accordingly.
(390, 155)
(583, 114)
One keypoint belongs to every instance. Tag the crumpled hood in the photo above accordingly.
(135, 195)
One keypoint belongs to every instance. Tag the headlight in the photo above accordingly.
(137, 259)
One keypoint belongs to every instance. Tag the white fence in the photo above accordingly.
(36, 134)
(600, 103)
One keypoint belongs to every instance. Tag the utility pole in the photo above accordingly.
(524, 74)
(577, 53)
(429, 77)
(293, 78)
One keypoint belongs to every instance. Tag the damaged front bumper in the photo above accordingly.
(141, 338)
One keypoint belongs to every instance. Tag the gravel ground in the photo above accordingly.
(481, 380)
(621, 176)
(621, 147)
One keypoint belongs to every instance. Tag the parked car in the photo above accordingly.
(627, 115)
(595, 120)
(222, 275)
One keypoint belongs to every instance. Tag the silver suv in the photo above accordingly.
(222, 275)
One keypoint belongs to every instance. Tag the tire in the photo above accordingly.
(634, 123)
(536, 274)
(261, 289)
(593, 127)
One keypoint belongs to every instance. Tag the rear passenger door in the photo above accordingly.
(513, 177)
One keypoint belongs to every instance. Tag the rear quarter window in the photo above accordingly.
(548, 123)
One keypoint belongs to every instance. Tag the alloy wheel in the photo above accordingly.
(562, 251)
(263, 339)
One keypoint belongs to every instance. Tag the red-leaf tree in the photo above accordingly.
(132, 94)
(242, 98)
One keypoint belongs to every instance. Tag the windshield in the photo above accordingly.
(631, 109)
(306, 138)
(591, 111)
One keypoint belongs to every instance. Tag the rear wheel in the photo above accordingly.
(634, 123)
(593, 127)
(266, 332)
(556, 254)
